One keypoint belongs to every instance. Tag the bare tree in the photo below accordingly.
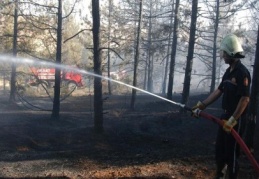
(254, 101)
(15, 34)
(136, 59)
(150, 51)
(56, 102)
(164, 85)
(189, 63)
(173, 52)
(109, 44)
(216, 25)
(98, 101)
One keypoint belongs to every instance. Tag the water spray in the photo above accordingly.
(81, 71)
(239, 140)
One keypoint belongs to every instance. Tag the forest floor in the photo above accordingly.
(153, 141)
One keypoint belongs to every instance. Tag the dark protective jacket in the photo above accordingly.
(234, 85)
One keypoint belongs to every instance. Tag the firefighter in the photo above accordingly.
(234, 88)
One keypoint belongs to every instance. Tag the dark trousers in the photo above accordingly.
(227, 150)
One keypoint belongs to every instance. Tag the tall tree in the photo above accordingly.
(173, 51)
(214, 58)
(164, 85)
(136, 59)
(15, 34)
(109, 44)
(150, 51)
(56, 102)
(188, 69)
(98, 101)
(254, 100)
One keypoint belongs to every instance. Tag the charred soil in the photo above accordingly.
(152, 141)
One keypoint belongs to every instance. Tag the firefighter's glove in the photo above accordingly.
(197, 108)
(229, 124)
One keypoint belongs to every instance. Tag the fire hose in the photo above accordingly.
(237, 137)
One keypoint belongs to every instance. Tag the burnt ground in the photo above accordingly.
(153, 141)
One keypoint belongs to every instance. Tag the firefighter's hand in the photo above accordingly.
(229, 124)
(196, 109)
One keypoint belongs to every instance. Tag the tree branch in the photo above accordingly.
(75, 35)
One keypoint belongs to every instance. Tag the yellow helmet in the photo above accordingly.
(231, 45)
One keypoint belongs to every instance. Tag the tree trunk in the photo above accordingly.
(254, 100)
(150, 53)
(109, 42)
(150, 73)
(56, 102)
(189, 63)
(98, 102)
(136, 59)
(173, 52)
(13, 73)
(168, 52)
(145, 76)
(213, 77)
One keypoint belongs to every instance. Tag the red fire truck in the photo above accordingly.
(46, 77)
